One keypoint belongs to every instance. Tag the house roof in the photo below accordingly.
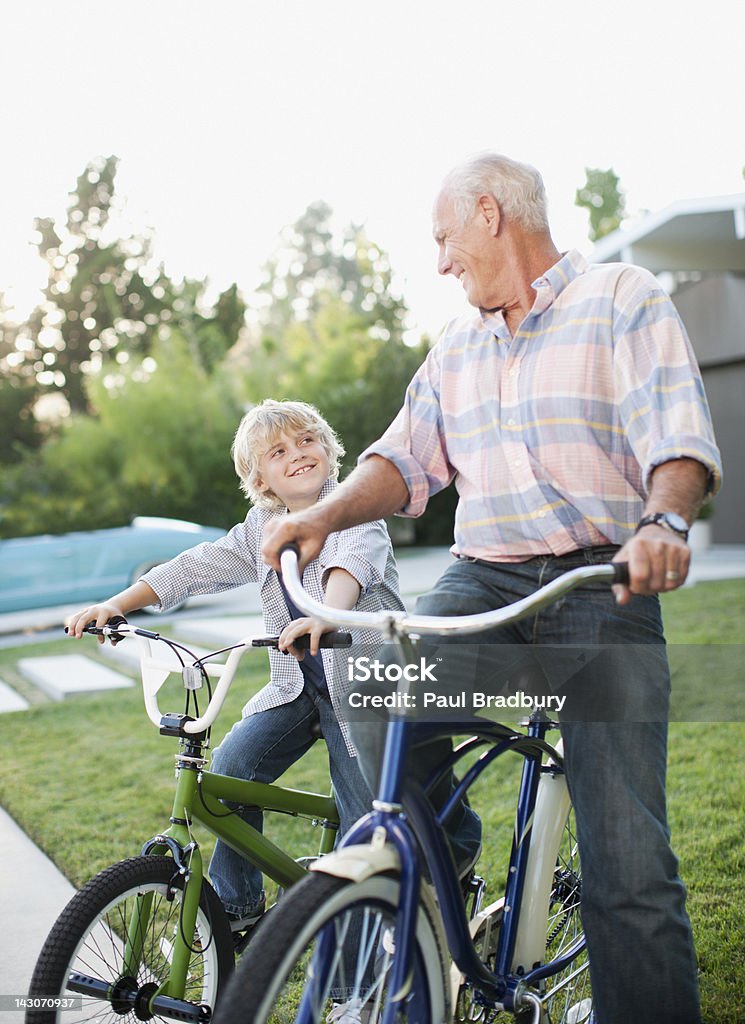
(691, 234)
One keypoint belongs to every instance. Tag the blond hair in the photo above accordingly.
(259, 429)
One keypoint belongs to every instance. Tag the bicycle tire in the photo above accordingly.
(87, 937)
(567, 996)
(268, 983)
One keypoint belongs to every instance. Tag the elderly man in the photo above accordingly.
(570, 412)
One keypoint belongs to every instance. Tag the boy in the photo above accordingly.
(287, 458)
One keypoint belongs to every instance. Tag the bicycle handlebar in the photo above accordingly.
(393, 623)
(155, 669)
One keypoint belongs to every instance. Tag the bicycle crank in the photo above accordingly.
(126, 996)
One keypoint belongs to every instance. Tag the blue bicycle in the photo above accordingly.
(370, 937)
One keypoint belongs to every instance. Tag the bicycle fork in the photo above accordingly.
(187, 859)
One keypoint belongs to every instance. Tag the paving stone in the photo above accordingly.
(220, 632)
(10, 700)
(65, 675)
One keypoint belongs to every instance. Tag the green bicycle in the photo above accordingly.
(148, 938)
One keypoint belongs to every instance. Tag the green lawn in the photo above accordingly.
(90, 779)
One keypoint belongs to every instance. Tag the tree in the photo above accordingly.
(18, 395)
(106, 296)
(314, 264)
(210, 330)
(604, 201)
(356, 380)
(158, 443)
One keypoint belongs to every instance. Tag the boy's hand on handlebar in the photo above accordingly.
(658, 562)
(299, 627)
(100, 613)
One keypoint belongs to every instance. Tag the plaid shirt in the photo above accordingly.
(364, 551)
(551, 435)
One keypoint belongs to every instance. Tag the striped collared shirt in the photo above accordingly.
(551, 435)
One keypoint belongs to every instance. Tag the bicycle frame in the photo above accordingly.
(395, 794)
(398, 800)
(197, 799)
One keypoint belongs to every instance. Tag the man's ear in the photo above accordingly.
(488, 208)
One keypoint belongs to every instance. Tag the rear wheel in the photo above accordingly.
(90, 934)
(327, 949)
(566, 996)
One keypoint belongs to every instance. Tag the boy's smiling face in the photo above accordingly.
(295, 467)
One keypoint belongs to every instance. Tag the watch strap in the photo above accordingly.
(663, 519)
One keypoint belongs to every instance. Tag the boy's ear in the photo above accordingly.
(261, 486)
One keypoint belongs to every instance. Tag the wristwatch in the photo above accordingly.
(670, 520)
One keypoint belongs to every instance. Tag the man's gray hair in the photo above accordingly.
(517, 187)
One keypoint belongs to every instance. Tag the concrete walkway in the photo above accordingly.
(33, 891)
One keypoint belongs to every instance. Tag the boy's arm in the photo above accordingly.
(342, 591)
(139, 595)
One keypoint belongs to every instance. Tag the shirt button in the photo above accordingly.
(542, 514)
(510, 422)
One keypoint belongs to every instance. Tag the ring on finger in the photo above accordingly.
(671, 574)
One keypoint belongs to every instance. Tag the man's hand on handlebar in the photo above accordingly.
(98, 613)
(299, 529)
(658, 562)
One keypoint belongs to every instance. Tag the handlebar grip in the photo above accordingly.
(336, 639)
(621, 573)
(290, 546)
(89, 627)
(114, 621)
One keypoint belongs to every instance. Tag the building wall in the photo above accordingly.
(713, 311)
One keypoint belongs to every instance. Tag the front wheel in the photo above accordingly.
(281, 978)
(90, 935)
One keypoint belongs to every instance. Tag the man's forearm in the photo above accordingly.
(678, 486)
(659, 560)
(374, 489)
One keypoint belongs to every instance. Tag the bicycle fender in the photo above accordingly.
(358, 862)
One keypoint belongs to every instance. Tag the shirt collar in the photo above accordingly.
(551, 284)
(547, 287)
(328, 487)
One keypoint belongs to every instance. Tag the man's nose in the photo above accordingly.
(444, 263)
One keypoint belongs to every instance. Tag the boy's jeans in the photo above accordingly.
(260, 748)
(633, 903)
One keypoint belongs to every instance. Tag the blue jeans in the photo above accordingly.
(260, 748)
(643, 964)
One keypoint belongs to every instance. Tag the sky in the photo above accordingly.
(229, 118)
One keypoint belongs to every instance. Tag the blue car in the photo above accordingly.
(39, 572)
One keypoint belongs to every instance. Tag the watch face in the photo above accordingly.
(675, 521)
